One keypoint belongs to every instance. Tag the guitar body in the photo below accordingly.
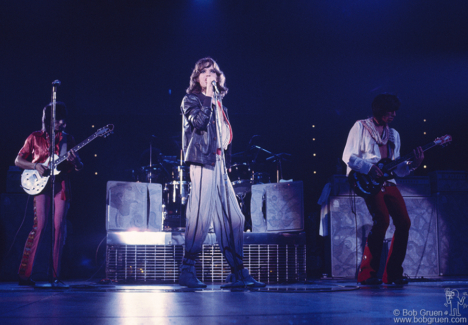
(364, 185)
(32, 182)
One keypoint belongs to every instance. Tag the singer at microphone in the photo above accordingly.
(206, 142)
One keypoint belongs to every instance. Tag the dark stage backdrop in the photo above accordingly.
(300, 73)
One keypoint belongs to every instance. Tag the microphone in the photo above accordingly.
(215, 87)
(56, 83)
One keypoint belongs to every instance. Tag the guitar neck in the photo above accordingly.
(76, 148)
(407, 157)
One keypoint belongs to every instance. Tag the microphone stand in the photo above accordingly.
(52, 169)
(220, 145)
(52, 166)
(224, 183)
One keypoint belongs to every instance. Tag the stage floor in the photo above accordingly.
(326, 301)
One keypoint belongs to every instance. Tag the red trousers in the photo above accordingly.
(41, 213)
(388, 202)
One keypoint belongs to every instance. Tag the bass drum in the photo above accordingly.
(175, 197)
(151, 174)
(240, 177)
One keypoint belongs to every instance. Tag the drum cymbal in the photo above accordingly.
(237, 154)
(172, 160)
(279, 156)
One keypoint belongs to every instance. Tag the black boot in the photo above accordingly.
(188, 277)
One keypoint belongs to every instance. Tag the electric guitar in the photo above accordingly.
(33, 183)
(365, 185)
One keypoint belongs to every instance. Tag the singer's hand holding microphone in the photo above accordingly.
(215, 87)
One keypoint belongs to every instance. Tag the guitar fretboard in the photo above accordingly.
(78, 147)
(407, 157)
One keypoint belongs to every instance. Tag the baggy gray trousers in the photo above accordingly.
(205, 206)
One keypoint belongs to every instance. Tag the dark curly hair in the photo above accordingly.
(204, 63)
(384, 103)
(60, 114)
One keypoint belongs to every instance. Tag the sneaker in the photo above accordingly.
(233, 281)
(399, 281)
(250, 281)
(26, 282)
(372, 282)
(242, 279)
(188, 277)
(233, 285)
(59, 284)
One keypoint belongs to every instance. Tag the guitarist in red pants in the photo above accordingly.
(369, 141)
(32, 155)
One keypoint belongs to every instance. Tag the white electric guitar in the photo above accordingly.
(33, 183)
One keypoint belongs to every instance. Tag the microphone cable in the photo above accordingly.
(19, 228)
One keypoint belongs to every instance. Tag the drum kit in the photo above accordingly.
(250, 169)
(253, 167)
(246, 170)
(175, 179)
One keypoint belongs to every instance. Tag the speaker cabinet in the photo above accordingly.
(133, 206)
(348, 234)
(277, 207)
(451, 191)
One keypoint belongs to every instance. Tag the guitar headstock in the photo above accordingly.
(443, 141)
(105, 131)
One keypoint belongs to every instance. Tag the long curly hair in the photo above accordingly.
(201, 64)
(384, 103)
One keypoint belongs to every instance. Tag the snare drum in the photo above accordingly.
(150, 174)
(181, 173)
(240, 177)
(240, 172)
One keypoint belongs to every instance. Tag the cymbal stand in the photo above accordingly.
(258, 149)
(151, 161)
(279, 169)
(182, 194)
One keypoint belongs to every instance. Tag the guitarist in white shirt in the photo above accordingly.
(369, 141)
(32, 155)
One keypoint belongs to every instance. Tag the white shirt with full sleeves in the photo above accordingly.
(362, 151)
